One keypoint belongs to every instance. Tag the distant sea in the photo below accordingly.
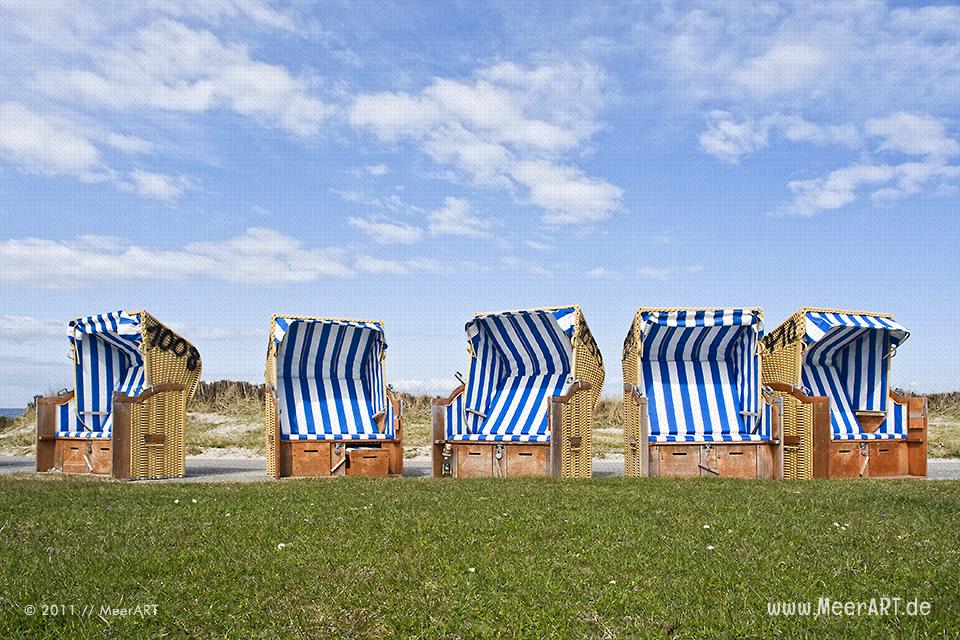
(10, 413)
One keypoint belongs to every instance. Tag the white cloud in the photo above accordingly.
(729, 139)
(454, 219)
(382, 266)
(536, 245)
(376, 169)
(783, 68)
(25, 328)
(887, 74)
(258, 256)
(913, 134)
(169, 66)
(528, 267)
(48, 145)
(509, 127)
(662, 273)
(566, 193)
(600, 273)
(842, 186)
(387, 231)
(158, 185)
(52, 145)
(825, 56)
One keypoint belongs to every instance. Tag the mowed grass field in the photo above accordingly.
(405, 558)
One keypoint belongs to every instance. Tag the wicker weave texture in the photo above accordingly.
(578, 413)
(168, 359)
(632, 429)
(163, 414)
(783, 350)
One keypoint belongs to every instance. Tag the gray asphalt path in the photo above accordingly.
(201, 469)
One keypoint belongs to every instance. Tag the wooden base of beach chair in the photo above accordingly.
(749, 460)
(830, 458)
(306, 458)
(147, 440)
(863, 459)
(497, 460)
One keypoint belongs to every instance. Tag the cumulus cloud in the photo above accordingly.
(388, 231)
(46, 144)
(827, 56)
(915, 134)
(157, 185)
(454, 219)
(51, 145)
(730, 139)
(171, 67)
(508, 127)
(663, 273)
(601, 273)
(841, 186)
(257, 256)
(25, 328)
(783, 68)
(383, 266)
(528, 267)
(921, 136)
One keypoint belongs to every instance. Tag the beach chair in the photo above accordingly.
(841, 420)
(328, 410)
(526, 407)
(693, 403)
(126, 415)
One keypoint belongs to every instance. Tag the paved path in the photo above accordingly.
(200, 469)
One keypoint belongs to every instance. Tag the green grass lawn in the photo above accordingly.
(606, 558)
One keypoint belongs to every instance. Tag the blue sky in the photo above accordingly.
(219, 162)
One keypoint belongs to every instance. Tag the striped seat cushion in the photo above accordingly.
(694, 402)
(520, 407)
(330, 380)
(84, 434)
(501, 437)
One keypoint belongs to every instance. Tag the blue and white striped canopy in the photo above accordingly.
(330, 383)
(108, 359)
(520, 359)
(847, 359)
(699, 371)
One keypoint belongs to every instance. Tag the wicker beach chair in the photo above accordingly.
(841, 420)
(693, 403)
(329, 411)
(526, 408)
(126, 416)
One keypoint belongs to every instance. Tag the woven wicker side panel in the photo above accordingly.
(633, 466)
(578, 413)
(164, 415)
(270, 404)
(270, 421)
(782, 355)
(169, 358)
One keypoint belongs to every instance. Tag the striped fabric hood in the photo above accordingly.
(330, 382)
(847, 359)
(519, 360)
(108, 358)
(699, 370)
